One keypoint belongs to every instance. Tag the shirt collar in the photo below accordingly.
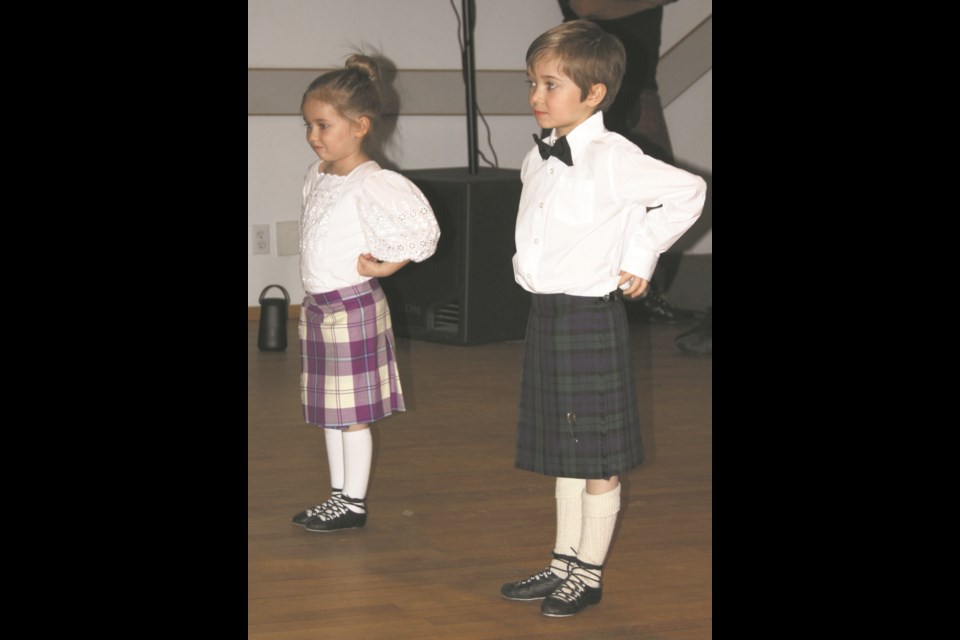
(582, 134)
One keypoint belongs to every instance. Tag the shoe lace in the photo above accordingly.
(332, 508)
(543, 575)
(574, 586)
(317, 510)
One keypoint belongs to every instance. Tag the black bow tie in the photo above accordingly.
(560, 149)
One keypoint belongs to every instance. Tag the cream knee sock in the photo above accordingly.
(599, 520)
(569, 496)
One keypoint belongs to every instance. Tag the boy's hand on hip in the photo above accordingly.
(632, 285)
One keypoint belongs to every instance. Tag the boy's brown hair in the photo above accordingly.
(585, 53)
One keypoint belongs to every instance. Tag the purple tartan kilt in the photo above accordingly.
(348, 369)
(578, 415)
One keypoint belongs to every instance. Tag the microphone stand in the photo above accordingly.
(469, 72)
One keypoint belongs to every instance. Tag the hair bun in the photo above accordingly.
(365, 64)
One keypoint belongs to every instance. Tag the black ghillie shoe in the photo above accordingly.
(336, 515)
(574, 595)
(301, 518)
(539, 585)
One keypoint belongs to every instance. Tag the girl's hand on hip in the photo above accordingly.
(367, 265)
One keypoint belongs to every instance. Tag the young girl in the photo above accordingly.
(359, 223)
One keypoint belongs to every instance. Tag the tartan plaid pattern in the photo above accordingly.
(578, 415)
(348, 357)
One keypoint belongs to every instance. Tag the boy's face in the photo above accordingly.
(555, 98)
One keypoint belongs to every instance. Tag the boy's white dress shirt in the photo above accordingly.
(615, 208)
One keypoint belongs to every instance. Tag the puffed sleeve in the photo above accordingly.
(397, 221)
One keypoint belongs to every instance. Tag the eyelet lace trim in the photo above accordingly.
(316, 215)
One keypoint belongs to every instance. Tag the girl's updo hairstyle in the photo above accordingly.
(351, 90)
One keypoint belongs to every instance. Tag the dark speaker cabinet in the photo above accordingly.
(465, 293)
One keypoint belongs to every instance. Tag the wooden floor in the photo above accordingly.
(451, 519)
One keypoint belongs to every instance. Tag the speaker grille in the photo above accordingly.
(447, 317)
(465, 293)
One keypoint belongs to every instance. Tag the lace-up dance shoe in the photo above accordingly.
(301, 518)
(336, 515)
(574, 595)
(539, 585)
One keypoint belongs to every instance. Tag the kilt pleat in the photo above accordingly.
(578, 415)
(348, 357)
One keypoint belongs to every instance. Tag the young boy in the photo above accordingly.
(595, 214)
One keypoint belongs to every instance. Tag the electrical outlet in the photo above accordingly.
(261, 239)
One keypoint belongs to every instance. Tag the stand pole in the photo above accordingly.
(470, 79)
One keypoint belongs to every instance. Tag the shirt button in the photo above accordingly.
(541, 205)
(551, 170)
(536, 241)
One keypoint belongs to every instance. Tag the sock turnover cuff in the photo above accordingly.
(602, 505)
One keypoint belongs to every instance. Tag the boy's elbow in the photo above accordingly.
(701, 187)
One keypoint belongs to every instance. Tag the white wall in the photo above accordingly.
(419, 34)
(414, 34)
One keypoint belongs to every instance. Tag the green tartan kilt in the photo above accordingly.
(578, 415)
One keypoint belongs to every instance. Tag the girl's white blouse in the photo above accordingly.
(370, 210)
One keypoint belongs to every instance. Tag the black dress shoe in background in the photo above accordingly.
(698, 340)
(652, 308)
(656, 309)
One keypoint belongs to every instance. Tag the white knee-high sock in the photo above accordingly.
(334, 441)
(599, 520)
(357, 456)
(569, 495)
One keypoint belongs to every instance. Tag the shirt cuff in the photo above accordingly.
(640, 263)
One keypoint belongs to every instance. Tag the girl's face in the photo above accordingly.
(335, 139)
(555, 98)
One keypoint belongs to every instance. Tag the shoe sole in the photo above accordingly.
(359, 525)
(333, 530)
(567, 615)
(561, 615)
(524, 599)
